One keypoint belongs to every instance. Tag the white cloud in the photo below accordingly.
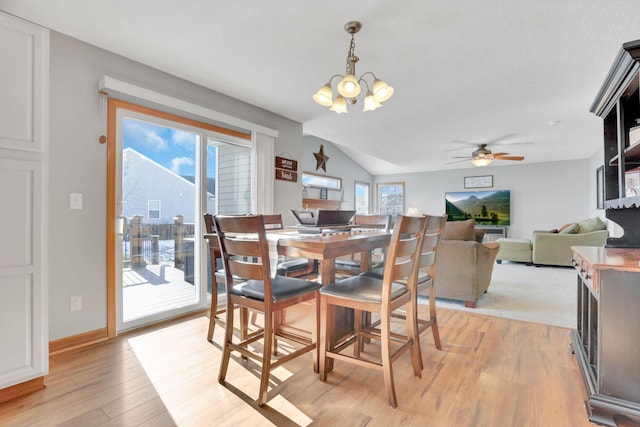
(144, 134)
(178, 162)
(184, 139)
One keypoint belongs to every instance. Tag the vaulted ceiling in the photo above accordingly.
(520, 75)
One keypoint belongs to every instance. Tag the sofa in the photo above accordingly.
(463, 265)
(553, 247)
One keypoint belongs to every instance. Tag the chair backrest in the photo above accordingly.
(245, 249)
(430, 243)
(209, 227)
(373, 221)
(273, 222)
(404, 254)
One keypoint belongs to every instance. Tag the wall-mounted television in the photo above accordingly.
(491, 207)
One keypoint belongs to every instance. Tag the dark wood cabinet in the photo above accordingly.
(618, 103)
(607, 339)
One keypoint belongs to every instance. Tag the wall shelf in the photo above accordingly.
(308, 203)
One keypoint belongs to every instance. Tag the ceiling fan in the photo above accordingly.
(482, 156)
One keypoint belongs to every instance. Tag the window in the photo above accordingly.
(390, 198)
(321, 181)
(153, 209)
(362, 197)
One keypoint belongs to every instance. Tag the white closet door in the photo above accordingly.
(24, 49)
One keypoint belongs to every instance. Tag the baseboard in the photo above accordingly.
(75, 341)
(22, 389)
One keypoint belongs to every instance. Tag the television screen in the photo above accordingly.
(491, 207)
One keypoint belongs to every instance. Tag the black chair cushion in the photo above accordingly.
(362, 288)
(352, 264)
(282, 288)
(293, 264)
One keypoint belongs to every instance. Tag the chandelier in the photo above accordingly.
(350, 87)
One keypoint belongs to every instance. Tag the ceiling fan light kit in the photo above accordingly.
(482, 156)
(350, 87)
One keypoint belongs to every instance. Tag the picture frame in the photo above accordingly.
(484, 181)
(315, 180)
(600, 188)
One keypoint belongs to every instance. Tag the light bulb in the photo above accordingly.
(382, 91)
(482, 161)
(349, 86)
(324, 96)
(339, 105)
(370, 102)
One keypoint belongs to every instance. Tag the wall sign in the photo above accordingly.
(285, 175)
(478, 181)
(288, 164)
(286, 169)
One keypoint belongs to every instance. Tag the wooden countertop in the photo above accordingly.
(627, 259)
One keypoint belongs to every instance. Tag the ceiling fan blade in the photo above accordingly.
(500, 139)
(461, 157)
(499, 154)
(518, 158)
(458, 161)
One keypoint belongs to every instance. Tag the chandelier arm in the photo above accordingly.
(334, 76)
(364, 81)
(368, 72)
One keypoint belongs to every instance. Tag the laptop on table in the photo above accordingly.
(319, 220)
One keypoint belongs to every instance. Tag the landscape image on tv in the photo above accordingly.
(486, 207)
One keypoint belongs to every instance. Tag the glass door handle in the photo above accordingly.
(121, 225)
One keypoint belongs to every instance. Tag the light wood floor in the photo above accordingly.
(491, 372)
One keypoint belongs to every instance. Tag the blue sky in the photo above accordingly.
(174, 149)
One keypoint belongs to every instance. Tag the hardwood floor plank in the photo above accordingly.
(490, 372)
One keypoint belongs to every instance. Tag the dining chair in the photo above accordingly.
(426, 276)
(216, 277)
(245, 253)
(288, 266)
(351, 265)
(364, 293)
(295, 267)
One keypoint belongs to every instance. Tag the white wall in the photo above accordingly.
(338, 165)
(543, 195)
(78, 165)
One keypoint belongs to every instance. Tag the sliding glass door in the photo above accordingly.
(168, 173)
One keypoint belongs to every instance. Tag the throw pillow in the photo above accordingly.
(571, 229)
(460, 230)
(563, 227)
(591, 224)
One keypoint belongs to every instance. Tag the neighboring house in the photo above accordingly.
(156, 193)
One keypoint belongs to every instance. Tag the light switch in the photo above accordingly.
(75, 201)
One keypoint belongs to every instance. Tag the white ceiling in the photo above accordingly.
(519, 72)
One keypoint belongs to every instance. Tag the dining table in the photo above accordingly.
(324, 247)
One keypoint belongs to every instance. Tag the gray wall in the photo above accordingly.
(77, 245)
(543, 195)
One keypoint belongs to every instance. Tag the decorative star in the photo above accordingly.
(321, 159)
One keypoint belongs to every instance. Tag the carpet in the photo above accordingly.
(546, 295)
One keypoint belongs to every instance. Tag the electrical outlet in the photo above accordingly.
(75, 304)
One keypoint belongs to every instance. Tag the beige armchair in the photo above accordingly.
(464, 265)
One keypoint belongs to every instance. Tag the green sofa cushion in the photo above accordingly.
(591, 224)
(571, 229)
